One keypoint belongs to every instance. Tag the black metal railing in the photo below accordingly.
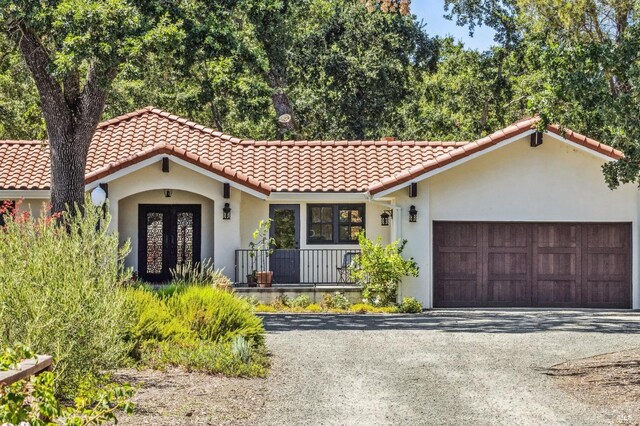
(301, 266)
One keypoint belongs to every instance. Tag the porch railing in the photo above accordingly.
(298, 267)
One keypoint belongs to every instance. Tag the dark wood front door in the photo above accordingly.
(168, 236)
(285, 229)
(490, 264)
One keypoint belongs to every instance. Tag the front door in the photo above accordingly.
(168, 236)
(285, 230)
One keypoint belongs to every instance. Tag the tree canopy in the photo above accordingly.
(321, 69)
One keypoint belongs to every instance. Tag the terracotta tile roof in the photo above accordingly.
(265, 166)
(515, 129)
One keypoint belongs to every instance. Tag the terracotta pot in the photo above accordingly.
(264, 278)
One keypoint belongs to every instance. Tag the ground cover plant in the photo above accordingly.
(197, 327)
(333, 303)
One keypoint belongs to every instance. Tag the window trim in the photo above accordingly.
(335, 222)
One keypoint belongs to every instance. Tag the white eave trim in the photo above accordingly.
(15, 194)
(179, 161)
(486, 151)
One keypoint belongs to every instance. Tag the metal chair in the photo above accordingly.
(344, 271)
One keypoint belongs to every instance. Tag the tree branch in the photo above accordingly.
(37, 59)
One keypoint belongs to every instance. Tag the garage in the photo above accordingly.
(523, 264)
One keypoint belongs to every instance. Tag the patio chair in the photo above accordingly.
(344, 271)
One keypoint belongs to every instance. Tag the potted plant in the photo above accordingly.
(260, 249)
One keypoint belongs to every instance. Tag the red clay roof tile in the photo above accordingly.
(265, 166)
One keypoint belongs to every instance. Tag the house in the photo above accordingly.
(518, 218)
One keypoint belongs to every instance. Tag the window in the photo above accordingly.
(6, 207)
(334, 223)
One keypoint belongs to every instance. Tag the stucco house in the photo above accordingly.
(518, 218)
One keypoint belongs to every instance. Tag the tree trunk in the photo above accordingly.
(282, 106)
(68, 163)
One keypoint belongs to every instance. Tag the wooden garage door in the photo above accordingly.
(492, 264)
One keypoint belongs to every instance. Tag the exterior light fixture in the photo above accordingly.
(168, 193)
(226, 211)
(98, 196)
(413, 214)
(384, 217)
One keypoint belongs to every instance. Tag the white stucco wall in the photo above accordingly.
(219, 237)
(553, 182)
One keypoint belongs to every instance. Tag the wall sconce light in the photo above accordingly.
(226, 211)
(98, 196)
(384, 217)
(168, 193)
(413, 214)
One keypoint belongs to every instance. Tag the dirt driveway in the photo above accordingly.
(442, 367)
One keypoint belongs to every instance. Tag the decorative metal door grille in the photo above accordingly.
(185, 238)
(155, 246)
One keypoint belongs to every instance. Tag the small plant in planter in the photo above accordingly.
(260, 249)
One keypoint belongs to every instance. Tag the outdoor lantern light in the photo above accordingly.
(226, 212)
(168, 193)
(413, 214)
(98, 196)
(384, 217)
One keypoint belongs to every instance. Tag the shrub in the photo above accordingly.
(313, 308)
(33, 400)
(379, 269)
(216, 315)
(301, 301)
(410, 305)
(327, 302)
(340, 301)
(59, 292)
(282, 302)
(365, 308)
(261, 307)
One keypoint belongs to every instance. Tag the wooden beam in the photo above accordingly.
(26, 369)
(536, 139)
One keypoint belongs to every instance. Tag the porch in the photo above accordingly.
(297, 268)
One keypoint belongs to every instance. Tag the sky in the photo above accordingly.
(432, 11)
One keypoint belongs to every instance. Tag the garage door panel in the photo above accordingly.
(458, 293)
(507, 263)
(509, 235)
(557, 293)
(607, 265)
(508, 293)
(605, 293)
(556, 263)
(532, 264)
(556, 235)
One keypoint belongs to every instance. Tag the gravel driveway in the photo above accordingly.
(442, 367)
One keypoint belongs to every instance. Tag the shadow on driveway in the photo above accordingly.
(464, 321)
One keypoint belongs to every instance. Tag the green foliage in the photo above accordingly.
(335, 301)
(198, 327)
(34, 400)
(410, 305)
(365, 308)
(60, 292)
(262, 246)
(199, 274)
(379, 269)
(302, 301)
(209, 357)
(282, 301)
(215, 315)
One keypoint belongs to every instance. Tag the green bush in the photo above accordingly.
(410, 305)
(301, 301)
(33, 400)
(340, 301)
(59, 292)
(379, 269)
(198, 328)
(215, 315)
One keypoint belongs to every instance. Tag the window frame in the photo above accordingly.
(336, 223)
